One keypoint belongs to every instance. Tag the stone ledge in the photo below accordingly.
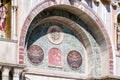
(12, 65)
(52, 73)
(8, 40)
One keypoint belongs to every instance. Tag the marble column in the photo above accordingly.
(16, 73)
(13, 19)
(5, 73)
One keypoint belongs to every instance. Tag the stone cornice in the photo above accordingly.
(12, 65)
(112, 2)
(45, 72)
(108, 0)
(8, 40)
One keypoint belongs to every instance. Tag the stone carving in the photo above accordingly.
(74, 59)
(35, 54)
(55, 34)
(55, 57)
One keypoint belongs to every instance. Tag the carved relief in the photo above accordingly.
(74, 59)
(35, 54)
(55, 57)
(55, 34)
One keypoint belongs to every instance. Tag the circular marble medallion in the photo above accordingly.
(35, 54)
(55, 34)
(74, 59)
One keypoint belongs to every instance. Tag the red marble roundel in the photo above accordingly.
(74, 59)
(35, 54)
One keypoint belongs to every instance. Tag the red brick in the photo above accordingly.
(21, 62)
(21, 49)
(21, 57)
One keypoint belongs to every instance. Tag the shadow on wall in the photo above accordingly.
(89, 2)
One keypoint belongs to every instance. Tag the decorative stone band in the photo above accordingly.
(114, 3)
(45, 72)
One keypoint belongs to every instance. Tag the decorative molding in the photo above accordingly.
(86, 10)
(8, 40)
(114, 4)
(118, 54)
(45, 72)
(14, 4)
(12, 65)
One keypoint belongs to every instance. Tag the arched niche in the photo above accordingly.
(92, 26)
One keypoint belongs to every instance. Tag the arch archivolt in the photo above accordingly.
(85, 14)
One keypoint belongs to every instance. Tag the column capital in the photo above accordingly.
(5, 72)
(17, 71)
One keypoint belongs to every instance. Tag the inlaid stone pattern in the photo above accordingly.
(96, 57)
(39, 36)
(35, 54)
(55, 57)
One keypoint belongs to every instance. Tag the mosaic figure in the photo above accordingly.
(3, 14)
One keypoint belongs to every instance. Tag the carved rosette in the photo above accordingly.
(74, 59)
(35, 54)
(55, 34)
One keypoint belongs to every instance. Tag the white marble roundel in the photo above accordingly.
(55, 34)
